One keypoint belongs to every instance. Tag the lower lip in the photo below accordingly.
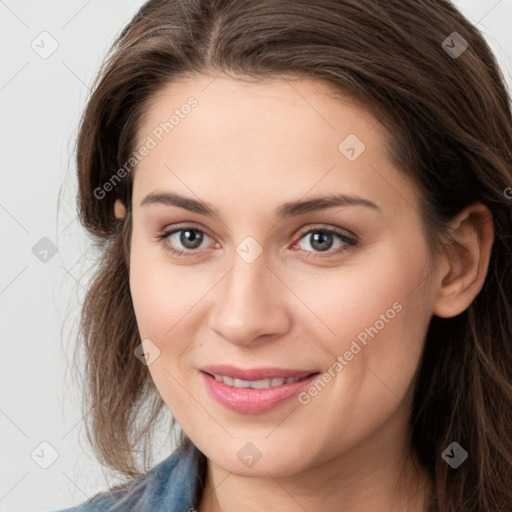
(254, 401)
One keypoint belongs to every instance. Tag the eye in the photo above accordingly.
(188, 237)
(322, 239)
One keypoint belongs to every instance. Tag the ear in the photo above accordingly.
(119, 209)
(465, 261)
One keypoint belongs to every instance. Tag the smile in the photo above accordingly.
(255, 396)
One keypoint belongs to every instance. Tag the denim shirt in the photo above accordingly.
(173, 485)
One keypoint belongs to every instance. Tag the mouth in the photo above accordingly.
(256, 378)
(256, 390)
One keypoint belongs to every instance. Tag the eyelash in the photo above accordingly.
(347, 241)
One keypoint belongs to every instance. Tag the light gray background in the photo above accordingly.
(41, 100)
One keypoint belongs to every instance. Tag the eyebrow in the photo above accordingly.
(289, 209)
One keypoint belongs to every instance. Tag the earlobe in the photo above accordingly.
(119, 209)
(468, 261)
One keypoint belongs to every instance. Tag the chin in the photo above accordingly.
(258, 459)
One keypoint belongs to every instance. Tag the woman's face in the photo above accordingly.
(265, 283)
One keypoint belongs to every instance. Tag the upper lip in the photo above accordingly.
(255, 373)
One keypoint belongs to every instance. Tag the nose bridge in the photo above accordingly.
(248, 279)
(247, 287)
(248, 304)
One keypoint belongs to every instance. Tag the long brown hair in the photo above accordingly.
(450, 125)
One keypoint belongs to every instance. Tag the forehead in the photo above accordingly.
(260, 138)
(308, 108)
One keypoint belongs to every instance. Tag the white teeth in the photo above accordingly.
(228, 381)
(255, 384)
(237, 383)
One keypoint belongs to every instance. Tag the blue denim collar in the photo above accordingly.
(172, 485)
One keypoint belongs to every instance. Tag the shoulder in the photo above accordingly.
(170, 485)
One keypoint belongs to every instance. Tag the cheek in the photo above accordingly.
(162, 292)
(376, 318)
(163, 297)
(345, 302)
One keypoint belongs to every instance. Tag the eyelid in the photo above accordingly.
(326, 227)
(183, 226)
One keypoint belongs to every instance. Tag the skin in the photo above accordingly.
(246, 149)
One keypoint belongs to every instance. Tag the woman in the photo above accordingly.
(305, 218)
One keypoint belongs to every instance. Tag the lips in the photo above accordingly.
(247, 400)
(253, 374)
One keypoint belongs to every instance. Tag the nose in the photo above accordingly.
(251, 303)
